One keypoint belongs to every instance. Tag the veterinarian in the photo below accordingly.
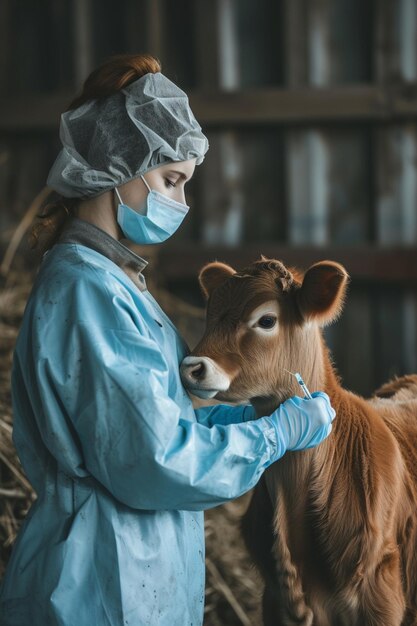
(122, 464)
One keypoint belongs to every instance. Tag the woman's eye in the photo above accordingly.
(169, 183)
(267, 321)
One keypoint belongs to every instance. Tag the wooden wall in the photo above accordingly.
(310, 107)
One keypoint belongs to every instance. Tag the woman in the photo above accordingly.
(122, 464)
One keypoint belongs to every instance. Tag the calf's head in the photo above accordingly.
(261, 322)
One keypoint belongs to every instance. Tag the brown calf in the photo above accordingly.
(332, 529)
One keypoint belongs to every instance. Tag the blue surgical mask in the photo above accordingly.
(161, 219)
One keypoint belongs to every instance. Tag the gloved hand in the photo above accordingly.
(302, 423)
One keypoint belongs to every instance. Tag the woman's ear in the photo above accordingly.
(322, 292)
(212, 275)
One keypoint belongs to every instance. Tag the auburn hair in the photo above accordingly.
(114, 74)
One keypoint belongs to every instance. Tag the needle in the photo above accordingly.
(301, 383)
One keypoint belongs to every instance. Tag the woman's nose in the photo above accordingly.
(181, 197)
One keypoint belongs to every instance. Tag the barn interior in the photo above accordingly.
(310, 108)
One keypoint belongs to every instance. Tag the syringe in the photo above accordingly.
(301, 383)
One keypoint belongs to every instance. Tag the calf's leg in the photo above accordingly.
(381, 597)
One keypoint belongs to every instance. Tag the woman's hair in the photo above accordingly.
(114, 74)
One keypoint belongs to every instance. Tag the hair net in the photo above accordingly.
(109, 141)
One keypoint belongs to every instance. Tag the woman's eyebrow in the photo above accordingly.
(181, 174)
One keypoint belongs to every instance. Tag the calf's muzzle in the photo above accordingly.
(203, 377)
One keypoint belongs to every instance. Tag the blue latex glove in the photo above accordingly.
(302, 423)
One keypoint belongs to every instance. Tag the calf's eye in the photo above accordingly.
(267, 321)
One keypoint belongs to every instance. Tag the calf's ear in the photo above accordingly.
(322, 292)
(212, 275)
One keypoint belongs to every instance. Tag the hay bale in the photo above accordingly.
(16, 494)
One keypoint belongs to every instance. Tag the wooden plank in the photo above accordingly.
(391, 349)
(327, 173)
(221, 205)
(295, 17)
(409, 319)
(177, 35)
(309, 106)
(6, 51)
(37, 112)
(386, 40)
(396, 146)
(262, 185)
(306, 105)
(395, 310)
(207, 59)
(364, 263)
(135, 28)
(259, 39)
(355, 356)
(229, 67)
(83, 45)
(155, 27)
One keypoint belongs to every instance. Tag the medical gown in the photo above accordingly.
(121, 463)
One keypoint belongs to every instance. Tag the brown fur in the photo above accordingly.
(333, 529)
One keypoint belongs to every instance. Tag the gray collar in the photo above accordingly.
(86, 234)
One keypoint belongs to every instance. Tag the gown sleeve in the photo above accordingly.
(103, 385)
(224, 414)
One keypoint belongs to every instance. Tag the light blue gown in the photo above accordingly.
(122, 464)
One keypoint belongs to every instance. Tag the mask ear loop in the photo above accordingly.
(118, 195)
(149, 189)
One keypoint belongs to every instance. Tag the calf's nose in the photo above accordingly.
(193, 370)
(203, 377)
(196, 372)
